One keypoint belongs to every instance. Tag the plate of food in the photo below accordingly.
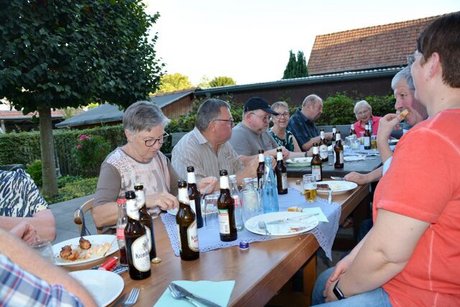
(84, 250)
(299, 162)
(337, 186)
(283, 223)
(104, 286)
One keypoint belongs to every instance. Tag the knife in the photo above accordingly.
(192, 296)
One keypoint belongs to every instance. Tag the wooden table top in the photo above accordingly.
(259, 272)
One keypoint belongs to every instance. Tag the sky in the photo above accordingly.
(250, 40)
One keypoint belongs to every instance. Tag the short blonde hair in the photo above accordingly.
(279, 104)
(360, 104)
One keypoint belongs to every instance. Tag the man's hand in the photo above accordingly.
(26, 232)
(208, 185)
(356, 177)
(387, 124)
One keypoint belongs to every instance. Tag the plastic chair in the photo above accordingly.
(79, 217)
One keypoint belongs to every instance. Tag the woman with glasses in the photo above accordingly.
(278, 131)
(363, 113)
(139, 161)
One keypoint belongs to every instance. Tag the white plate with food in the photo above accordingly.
(283, 223)
(104, 286)
(337, 186)
(71, 252)
(299, 162)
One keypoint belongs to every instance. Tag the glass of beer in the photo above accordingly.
(309, 187)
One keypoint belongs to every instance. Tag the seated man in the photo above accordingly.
(206, 147)
(302, 122)
(20, 200)
(30, 280)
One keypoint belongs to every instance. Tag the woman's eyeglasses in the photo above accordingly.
(160, 140)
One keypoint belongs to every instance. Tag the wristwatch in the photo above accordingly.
(337, 292)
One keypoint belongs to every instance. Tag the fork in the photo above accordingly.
(132, 297)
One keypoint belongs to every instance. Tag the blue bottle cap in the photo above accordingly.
(244, 245)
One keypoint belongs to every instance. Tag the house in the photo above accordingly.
(359, 62)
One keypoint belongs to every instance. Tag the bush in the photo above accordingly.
(73, 187)
(34, 169)
(89, 153)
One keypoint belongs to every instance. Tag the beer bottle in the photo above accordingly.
(194, 196)
(367, 137)
(352, 130)
(186, 223)
(338, 152)
(281, 173)
(122, 220)
(323, 153)
(334, 133)
(260, 169)
(145, 218)
(316, 164)
(226, 208)
(137, 245)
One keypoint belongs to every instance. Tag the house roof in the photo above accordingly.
(372, 47)
(14, 115)
(107, 113)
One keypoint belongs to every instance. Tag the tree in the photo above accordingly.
(221, 81)
(68, 53)
(296, 66)
(173, 82)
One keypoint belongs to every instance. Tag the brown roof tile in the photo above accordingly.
(365, 48)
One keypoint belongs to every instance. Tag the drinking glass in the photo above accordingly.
(44, 248)
(210, 213)
(309, 187)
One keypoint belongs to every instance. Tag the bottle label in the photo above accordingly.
(323, 151)
(316, 171)
(191, 177)
(192, 237)
(192, 205)
(121, 232)
(279, 155)
(132, 210)
(224, 221)
(367, 141)
(284, 181)
(140, 254)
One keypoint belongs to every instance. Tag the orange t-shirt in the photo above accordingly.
(423, 182)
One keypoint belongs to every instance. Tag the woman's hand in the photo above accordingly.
(26, 232)
(341, 267)
(163, 200)
(356, 177)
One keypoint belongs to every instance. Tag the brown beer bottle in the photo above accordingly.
(226, 207)
(338, 151)
(316, 164)
(334, 132)
(145, 218)
(323, 153)
(260, 169)
(367, 137)
(352, 130)
(194, 196)
(186, 223)
(281, 173)
(137, 245)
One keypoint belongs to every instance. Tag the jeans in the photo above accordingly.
(377, 297)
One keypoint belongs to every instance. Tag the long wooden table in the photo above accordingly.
(259, 272)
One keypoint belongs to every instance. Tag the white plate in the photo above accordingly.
(305, 161)
(337, 186)
(354, 158)
(95, 240)
(104, 286)
(287, 228)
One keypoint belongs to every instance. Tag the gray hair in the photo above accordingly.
(311, 99)
(208, 111)
(143, 116)
(404, 74)
(360, 104)
(279, 104)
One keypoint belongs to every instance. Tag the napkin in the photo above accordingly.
(217, 291)
(354, 158)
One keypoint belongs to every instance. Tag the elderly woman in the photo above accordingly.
(363, 113)
(279, 132)
(138, 161)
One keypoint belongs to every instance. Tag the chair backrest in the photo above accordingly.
(79, 217)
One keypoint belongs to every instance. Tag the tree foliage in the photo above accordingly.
(68, 53)
(296, 66)
(221, 81)
(173, 82)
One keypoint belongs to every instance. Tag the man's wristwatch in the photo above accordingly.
(337, 292)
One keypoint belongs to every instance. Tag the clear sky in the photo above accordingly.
(249, 40)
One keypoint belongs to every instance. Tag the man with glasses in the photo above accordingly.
(252, 133)
(302, 122)
(206, 147)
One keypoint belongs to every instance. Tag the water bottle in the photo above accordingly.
(122, 220)
(269, 191)
(234, 191)
(251, 203)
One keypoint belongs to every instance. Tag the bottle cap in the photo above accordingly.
(244, 245)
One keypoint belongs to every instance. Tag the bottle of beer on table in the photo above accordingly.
(367, 137)
(338, 152)
(226, 208)
(145, 219)
(137, 245)
(352, 130)
(334, 133)
(323, 153)
(281, 173)
(316, 164)
(186, 224)
(260, 169)
(122, 220)
(194, 196)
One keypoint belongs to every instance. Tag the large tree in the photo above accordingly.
(68, 53)
(296, 66)
(173, 82)
(221, 81)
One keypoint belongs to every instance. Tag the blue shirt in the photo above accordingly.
(302, 128)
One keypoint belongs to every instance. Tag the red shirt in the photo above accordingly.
(359, 128)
